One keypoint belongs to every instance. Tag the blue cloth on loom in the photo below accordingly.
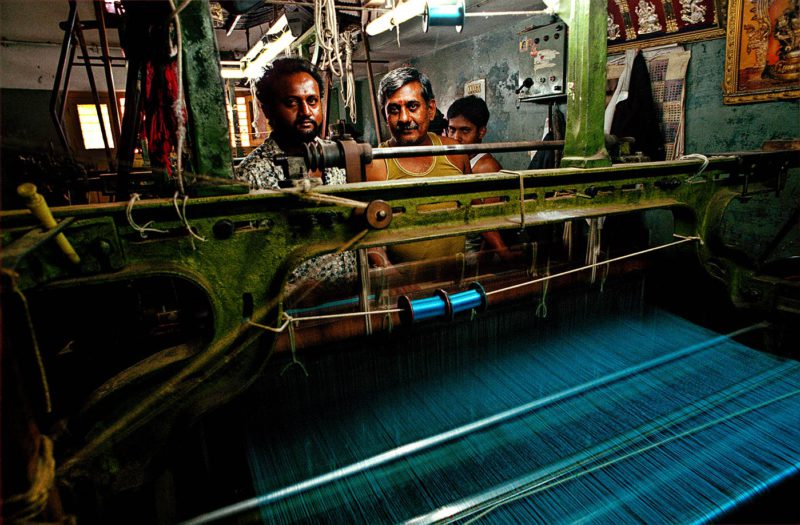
(673, 464)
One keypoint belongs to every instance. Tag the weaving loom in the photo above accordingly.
(604, 370)
(604, 411)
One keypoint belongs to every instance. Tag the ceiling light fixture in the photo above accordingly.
(400, 13)
(274, 42)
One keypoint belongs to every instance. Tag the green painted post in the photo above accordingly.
(204, 93)
(584, 145)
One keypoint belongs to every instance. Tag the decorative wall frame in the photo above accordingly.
(651, 23)
(762, 51)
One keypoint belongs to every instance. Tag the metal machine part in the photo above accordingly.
(543, 61)
(353, 157)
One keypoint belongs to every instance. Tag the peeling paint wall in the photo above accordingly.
(710, 125)
(494, 57)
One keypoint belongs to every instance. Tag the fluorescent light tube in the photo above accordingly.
(255, 67)
(401, 12)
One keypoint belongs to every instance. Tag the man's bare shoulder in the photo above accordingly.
(487, 164)
(460, 161)
(376, 170)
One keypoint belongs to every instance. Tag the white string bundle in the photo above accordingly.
(327, 31)
(348, 81)
(141, 229)
(181, 211)
(328, 51)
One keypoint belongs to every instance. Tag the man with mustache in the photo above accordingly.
(408, 104)
(290, 93)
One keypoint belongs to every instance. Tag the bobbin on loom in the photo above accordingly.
(442, 304)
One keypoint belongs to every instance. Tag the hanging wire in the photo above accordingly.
(179, 109)
(348, 80)
(327, 31)
(328, 51)
(141, 229)
(181, 211)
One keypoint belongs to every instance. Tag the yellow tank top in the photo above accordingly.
(421, 250)
(440, 167)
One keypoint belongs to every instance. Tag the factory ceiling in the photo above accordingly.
(17, 26)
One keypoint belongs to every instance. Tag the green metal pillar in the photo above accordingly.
(204, 93)
(584, 145)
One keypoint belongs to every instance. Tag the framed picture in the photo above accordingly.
(762, 51)
(650, 23)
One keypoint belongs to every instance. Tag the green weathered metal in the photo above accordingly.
(584, 141)
(266, 235)
(205, 94)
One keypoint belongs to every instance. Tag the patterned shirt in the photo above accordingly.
(262, 173)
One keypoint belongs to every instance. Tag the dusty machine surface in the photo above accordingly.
(162, 362)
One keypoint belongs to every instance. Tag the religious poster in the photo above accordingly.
(649, 23)
(762, 57)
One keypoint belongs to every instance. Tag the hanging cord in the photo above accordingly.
(256, 109)
(181, 211)
(327, 30)
(682, 240)
(141, 229)
(294, 361)
(348, 80)
(696, 177)
(566, 239)
(13, 277)
(179, 101)
(541, 309)
(593, 246)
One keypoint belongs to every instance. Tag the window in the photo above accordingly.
(90, 126)
(244, 124)
(241, 116)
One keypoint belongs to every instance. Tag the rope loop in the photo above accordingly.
(181, 211)
(141, 229)
(698, 156)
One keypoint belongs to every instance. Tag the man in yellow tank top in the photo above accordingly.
(408, 104)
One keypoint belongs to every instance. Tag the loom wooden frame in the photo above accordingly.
(732, 92)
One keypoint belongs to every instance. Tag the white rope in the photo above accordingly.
(141, 229)
(328, 51)
(590, 266)
(289, 319)
(178, 108)
(348, 80)
(327, 31)
(698, 156)
(181, 211)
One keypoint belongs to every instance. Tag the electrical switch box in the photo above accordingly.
(543, 62)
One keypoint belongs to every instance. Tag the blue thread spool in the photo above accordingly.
(421, 309)
(444, 13)
(442, 304)
(475, 297)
